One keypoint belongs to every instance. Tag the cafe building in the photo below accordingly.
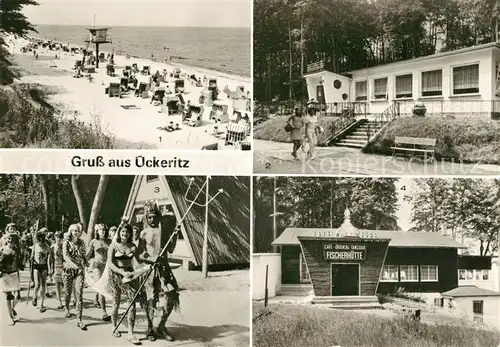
(351, 262)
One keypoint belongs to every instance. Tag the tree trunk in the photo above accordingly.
(332, 183)
(290, 92)
(96, 206)
(44, 186)
(25, 198)
(302, 46)
(79, 201)
(54, 203)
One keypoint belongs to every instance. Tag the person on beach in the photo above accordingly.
(311, 124)
(121, 254)
(98, 253)
(11, 262)
(40, 267)
(74, 271)
(296, 123)
(56, 266)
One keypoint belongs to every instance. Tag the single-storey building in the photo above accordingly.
(350, 262)
(463, 81)
(228, 222)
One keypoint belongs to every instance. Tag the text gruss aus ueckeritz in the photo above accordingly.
(139, 161)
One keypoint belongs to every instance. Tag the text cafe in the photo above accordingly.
(352, 262)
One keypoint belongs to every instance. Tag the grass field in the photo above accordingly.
(468, 139)
(298, 326)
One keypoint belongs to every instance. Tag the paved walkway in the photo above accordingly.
(206, 318)
(275, 158)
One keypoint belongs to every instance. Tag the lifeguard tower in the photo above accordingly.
(98, 36)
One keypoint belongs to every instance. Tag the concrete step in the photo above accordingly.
(353, 141)
(357, 137)
(340, 144)
(350, 299)
(353, 306)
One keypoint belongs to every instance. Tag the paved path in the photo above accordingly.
(275, 158)
(207, 318)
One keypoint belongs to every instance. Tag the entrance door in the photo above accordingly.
(345, 279)
(320, 94)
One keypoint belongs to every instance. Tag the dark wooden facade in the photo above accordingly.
(474, 262)
(320, 270)
(445, 258)
(378, 253)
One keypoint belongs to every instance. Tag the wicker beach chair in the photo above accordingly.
(146, 70)
(219, 113)
(141, 90)
(196, 117)
(236, 133)
(115, 90)
(179, 86)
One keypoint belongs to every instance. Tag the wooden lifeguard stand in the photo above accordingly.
(98, 36)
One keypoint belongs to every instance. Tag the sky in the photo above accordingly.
(175, 13)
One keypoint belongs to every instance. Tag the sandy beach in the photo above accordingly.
(77, 97)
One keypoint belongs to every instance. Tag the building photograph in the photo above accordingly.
(164, 245)
(361, 87)
(391, 249)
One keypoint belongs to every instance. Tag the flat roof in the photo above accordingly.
(466, 291)
(290, 237)
(432, 56)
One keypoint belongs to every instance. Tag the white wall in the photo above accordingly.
(331, 93)
(259, 262)
(491, 284)
(491, 305)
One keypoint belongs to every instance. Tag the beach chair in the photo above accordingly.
(128, 68)
(196, 118)
(102, 57)
(78, 65)
(181, 103)
(219, 113)
(159, 95)
(179, 86)
(110, 70)
(177, 72)
(199, 84)
(135, 68)
(146, 70)
(236, 133)
(126, 73)
(239, 104)
(141, 90)
(115, 90)
(124, 84)
(227, 91)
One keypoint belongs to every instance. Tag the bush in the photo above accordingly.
(466, 139)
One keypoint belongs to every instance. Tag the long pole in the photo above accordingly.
(150, 271)
(205, 234)
(290, 69)
(275, 231)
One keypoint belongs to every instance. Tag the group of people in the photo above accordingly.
(118, 260)
(296, 123)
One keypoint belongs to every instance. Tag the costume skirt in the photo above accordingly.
(9, 282)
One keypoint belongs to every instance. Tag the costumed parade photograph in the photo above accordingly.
(124, 260)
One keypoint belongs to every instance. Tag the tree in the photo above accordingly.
(79, 200)
(96, 206)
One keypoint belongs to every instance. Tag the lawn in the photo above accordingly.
(464, 139)
(297, 326)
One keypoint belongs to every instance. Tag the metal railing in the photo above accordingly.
(451, 107)
(390, 113)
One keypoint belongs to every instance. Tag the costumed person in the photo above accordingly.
(56, 266)
(40, 267)
(162, 280)
(98, 253)
(12, 228)
(11, 261)
(122, 280)
(74, 271)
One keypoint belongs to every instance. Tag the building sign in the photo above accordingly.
(344, 252)
(317, 66)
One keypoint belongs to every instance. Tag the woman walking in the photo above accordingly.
(40, 265)
(98, 252)
(121, 255)
(296, 123)
(74, 271)
(11, 262)
(57, 266)
(311, 122)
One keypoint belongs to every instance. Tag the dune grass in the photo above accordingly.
(273, 130)
(466, 139)
(297, 326)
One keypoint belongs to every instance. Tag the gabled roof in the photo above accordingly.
(289, 237)
(466, 291)
(228, 217)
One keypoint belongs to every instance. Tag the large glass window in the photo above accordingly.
(432, 83)
(428, 273)
(408, 273)
(380, 88)
(466, 79)
(389, 273)
(361, 91)
(404, 86)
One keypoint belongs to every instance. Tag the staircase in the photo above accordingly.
(348, 302)
(360, 133)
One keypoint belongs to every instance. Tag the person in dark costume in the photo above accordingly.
(11, 261)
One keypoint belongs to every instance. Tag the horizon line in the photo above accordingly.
(144, 26)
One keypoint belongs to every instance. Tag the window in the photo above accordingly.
(380, 88)
(432, 83)
(477, 309)
(486, 275)
(408, 273)
(477, 275)
(304, 274)
(469, 274)
(439, 302)
(404, 86)
(466, 79)
(461, 275)
(389, 273)
(361, 92)
(428, 273)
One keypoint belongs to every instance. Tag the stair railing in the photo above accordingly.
(347, 118)
(390, 113)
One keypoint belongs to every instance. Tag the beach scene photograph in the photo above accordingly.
(126, 74)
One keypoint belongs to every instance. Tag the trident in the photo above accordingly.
(164, 249)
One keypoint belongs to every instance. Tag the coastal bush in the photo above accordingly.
(273, 130)
(297, 326)
(465, 139)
